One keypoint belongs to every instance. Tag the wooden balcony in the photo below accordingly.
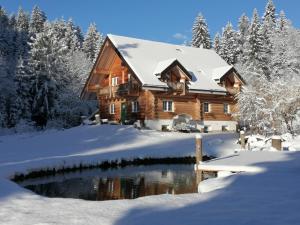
(178, 87)
(128, 89)
(104, 90)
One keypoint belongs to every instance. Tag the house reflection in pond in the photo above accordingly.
(153, 184)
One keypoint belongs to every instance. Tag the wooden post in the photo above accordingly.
(198, 149)
(123, 76)
(199, 177)
(199, 156)
(242, 137)
(276, 142)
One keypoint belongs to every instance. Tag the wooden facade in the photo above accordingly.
(122, 97)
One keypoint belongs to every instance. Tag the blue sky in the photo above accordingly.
(161, 20)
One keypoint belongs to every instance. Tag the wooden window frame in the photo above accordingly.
(208, 107)
(226, 108)
(112, 108)
(135, 106)
(167, 104)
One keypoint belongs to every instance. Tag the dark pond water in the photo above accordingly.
(125, 183)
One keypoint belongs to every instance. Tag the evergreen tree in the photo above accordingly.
(22, 26)
(4, 33)
(37, 21)
(46, 57)
(254, 48)
(217, 43)
(242, 35)
(73, 37)
(269, 14)
(229, 46)
(92, 42)
(24, 81)
(283, 24)
(201, 36)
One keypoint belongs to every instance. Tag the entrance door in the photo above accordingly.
(123, 112)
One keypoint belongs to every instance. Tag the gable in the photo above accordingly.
(109, 62)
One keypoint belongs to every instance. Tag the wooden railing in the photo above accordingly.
(104, 91)
(129, 88)
(121, 90)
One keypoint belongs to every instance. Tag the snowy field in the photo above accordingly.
(269, 197)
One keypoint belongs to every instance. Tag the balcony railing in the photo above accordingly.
(104, 91)
(129, 88)
(176, 86)
(121, 90)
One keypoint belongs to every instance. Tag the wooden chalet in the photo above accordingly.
(154, 82)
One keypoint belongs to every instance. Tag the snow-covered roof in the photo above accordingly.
(162, 65)
(149, 57)
(217, 73)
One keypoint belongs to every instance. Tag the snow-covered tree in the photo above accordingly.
(269, 16)
(254, 57)
(92, 42)
(217, 43)
(46, 60)
(229, 45)
(37, 21)
(242, 34)
(201, 36)
(73, 36)
(22, 26)
(283, 24)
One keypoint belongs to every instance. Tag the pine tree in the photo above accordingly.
(269, 14)
(229, 46)
(201, 36)
(24, 81)
(37, 21)
(4, 33)
(73, 37)
(92, 42)
(254, 48)
(283, 24)
(46, 60)
(243, 32)
(22, 26)
(217, 43)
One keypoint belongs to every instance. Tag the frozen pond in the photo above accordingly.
(123, 183)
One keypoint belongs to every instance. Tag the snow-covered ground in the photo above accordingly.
(269, 197)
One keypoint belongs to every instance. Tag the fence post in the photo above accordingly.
(242, 137)
(199, 153)
(199, 156)
(276, 142)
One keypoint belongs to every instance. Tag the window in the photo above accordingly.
(114, 81)
(112, 108)
(206, 107)
(135, 106)
(226, 108)
(168, 106)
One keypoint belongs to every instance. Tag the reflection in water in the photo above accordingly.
(119, 184)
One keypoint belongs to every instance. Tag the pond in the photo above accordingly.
(123, 183)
